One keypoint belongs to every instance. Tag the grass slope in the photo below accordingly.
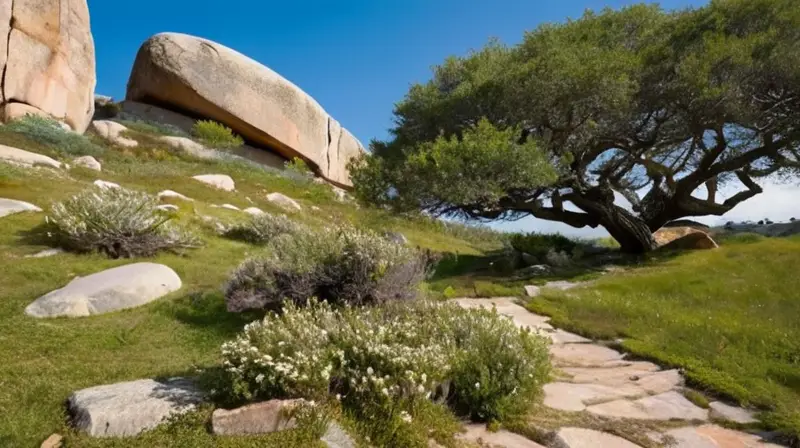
(728, 316)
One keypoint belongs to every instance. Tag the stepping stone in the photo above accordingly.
(666, 406)
(114, 289)
(167, 207)
(476, 433)
(661, 382)
(126, 409)
(642, 375)
(284, 202)
(531, 290)
(221, 181)
(54, 441)
(336, 437)
(713, 436)
(722, 411)
(560, 336)
(46, 253)
(255, 211)
(24, 158)
(506, 306)
(576, 397)
(88, 162)
(173, 195)
(586, 355)
(111, 131)
(12, 206)
(589, 438)
(258, 418)
(102, 184)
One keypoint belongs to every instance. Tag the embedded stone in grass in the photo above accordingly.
(336, 437)
(88, 162)
(105, 184)
(713, 436)
(167, 207)
(112, 131)
(258, 418)
(586, 355)
(173, 195)
(284, 202)
(24, 158)
(54, 441)
(575, 397)
(127, 409)
(561, 285)
(476, 433)
(230, 207)
(667, 406)
(187, 145)
(45, 253)
(255, 211)
(560, 336)
(507, 307)
(11, 206)
(114, 289)
(220, 181)
(722, 411)
(589, 438)
(531, 290)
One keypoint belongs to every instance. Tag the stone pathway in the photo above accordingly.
(602, 382)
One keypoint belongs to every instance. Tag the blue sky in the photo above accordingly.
(357, 58)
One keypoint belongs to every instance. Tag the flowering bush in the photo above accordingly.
(385, 359)
(337, 265)
(261, 229)
(216, 135)
(121, 223)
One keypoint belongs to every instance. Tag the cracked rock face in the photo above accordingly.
(196, 75)
(47, 51)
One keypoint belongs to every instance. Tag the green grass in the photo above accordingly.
(44, 360)
(729, 317)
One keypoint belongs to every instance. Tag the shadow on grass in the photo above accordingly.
(207, 311)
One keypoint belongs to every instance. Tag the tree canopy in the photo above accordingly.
(644, 104)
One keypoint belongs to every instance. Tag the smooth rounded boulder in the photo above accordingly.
(47, 52)
(114, 289)
(204, 78)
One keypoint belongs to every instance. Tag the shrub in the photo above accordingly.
(299, 167)
(118, 222)
(385, 361)
(539, 244)
(150, 127)
(338, 265)
(50, 133)
(216, 135)
(261, 229)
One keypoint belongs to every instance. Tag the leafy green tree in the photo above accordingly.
(644, 104)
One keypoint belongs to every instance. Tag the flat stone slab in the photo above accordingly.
(258, 418)
(722, 411)
(126, 409)
(560, 336)
(589, 438)
(88, 162)
(114, 289)
(12, 206)
(221, 181)
(255, 211)
(477, 433)
(586, 355)
(713, 436)
(532, 290)
(506, 306)
(667, 406)
(173, 195)
(336, 437)
(103, 184)
(575, 397)
(284, 202)
(611, 375)
(24, 158)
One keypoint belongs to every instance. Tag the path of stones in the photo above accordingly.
(594, 379)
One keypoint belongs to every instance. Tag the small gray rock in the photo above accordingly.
(531, 290)
(221, 181)
(126, 409)
(255, 211)
(11, 206)
(284, 202)
(336, 437)
(114, 289)
(258, 418)
(88, 162)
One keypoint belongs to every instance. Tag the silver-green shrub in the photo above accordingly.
(50, 133)
(118, 222)
(263, 228)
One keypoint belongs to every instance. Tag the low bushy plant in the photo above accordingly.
(216, 135)
(383, 360)
(338, 265)
(299, 167)
(539, 244)
(150, 127)
(49, 132)
(118, 222)
(263, 228)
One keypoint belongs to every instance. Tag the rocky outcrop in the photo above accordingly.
(47, 54)
(206, 79)
(683, 238)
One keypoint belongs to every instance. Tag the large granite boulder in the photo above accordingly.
(683, 238)
(114, 289)
(47, 52)
(207, 79)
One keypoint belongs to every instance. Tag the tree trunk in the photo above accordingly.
(631, 232)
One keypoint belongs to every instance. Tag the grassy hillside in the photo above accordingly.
(729, 317)
(44, 360)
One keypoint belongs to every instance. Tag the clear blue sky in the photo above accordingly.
(357, 57)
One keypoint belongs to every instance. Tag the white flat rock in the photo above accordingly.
(577, 396)
(167, 207)
(561, 285)
(221, 181)
(88, 162)
(126, 409)
(112, 132)
(105, 184)
(21, 157)
(722, 411)
(284, 202)
(667, 406)
(45, 253)
(255, 211)
(532, 290)
(230, 207)
(589, 438)
(586, 355)
(173, 195)
(477, 433)
(114, 289)
(11, 206)
(713, 436)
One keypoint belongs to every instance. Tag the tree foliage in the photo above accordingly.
(641, 103)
